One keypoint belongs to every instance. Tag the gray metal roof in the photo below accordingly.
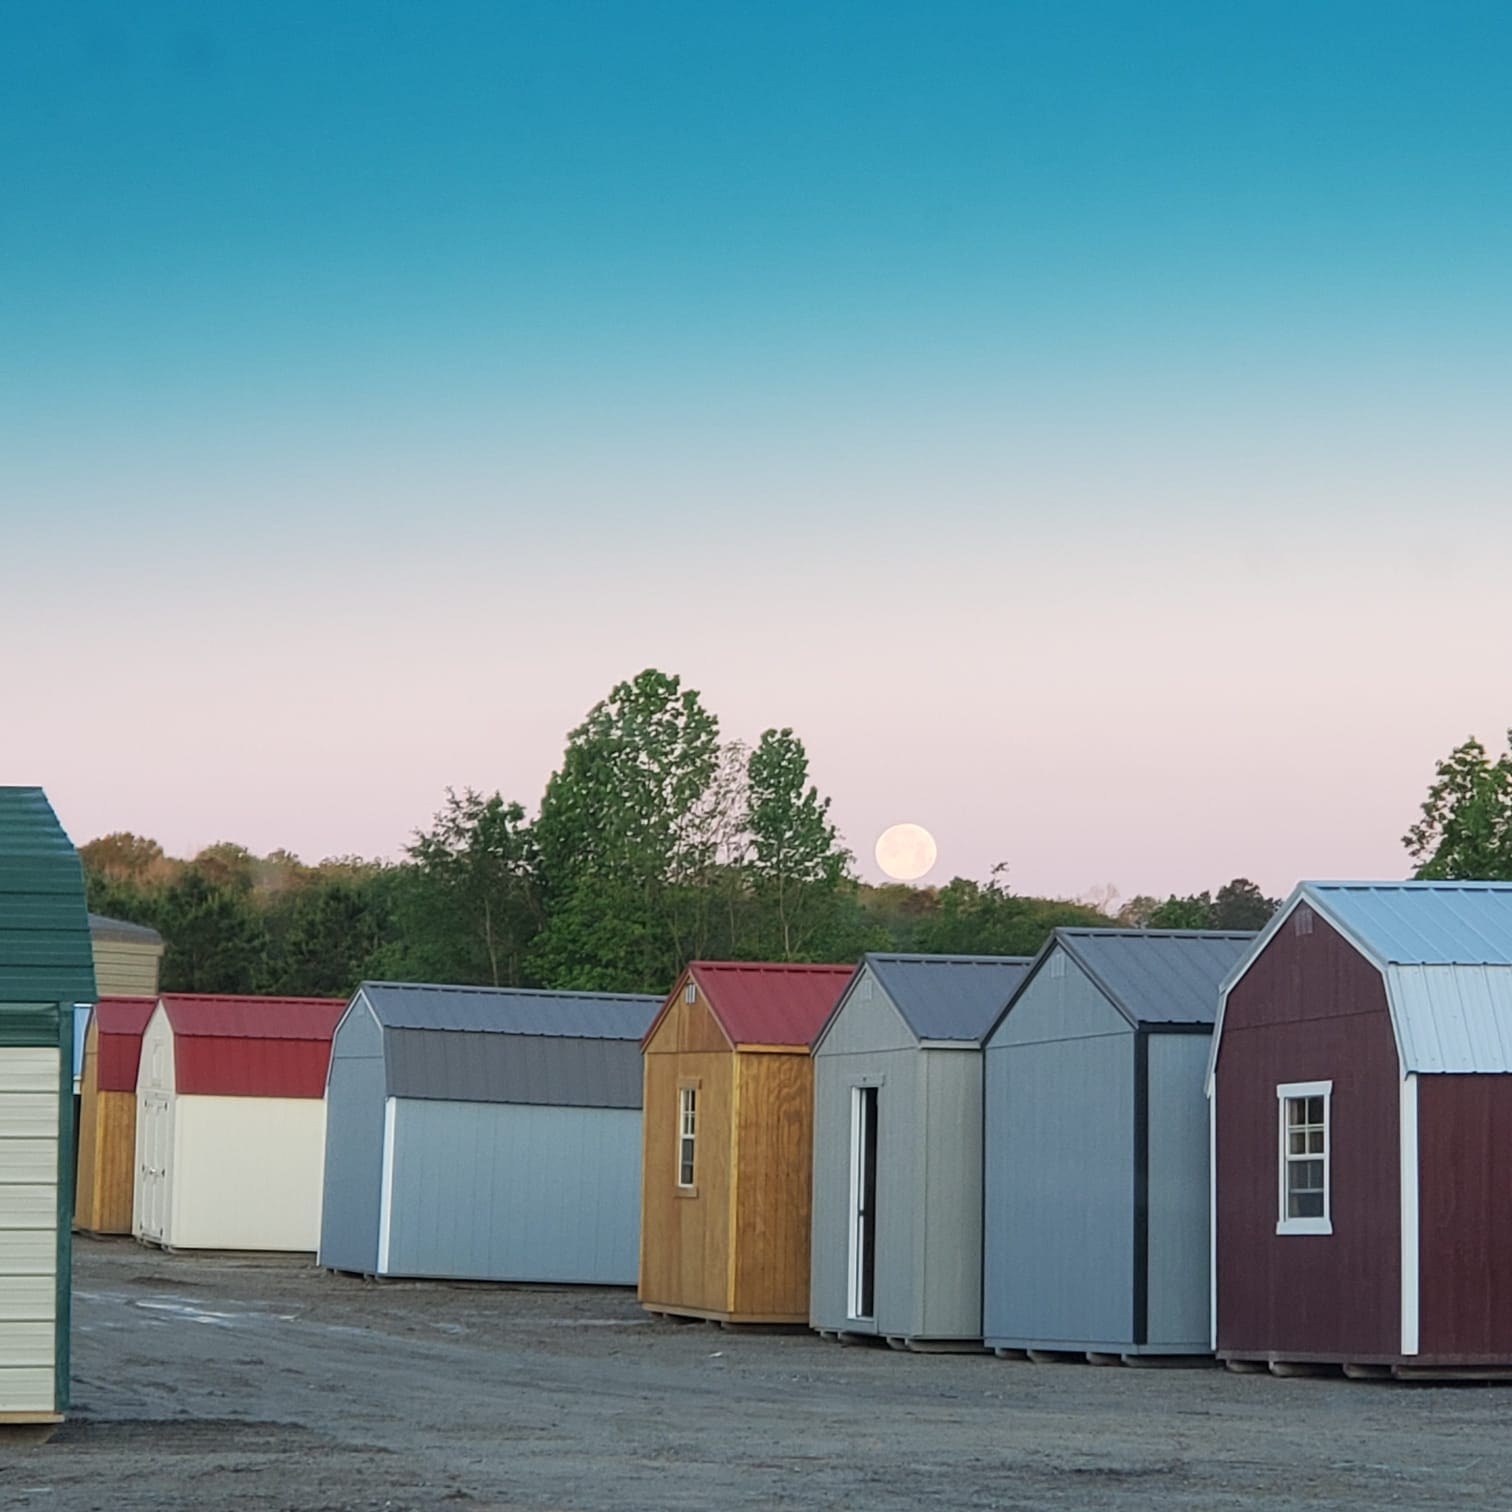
(1156, 976)
(949, 997)
(1421, 923)
(101, 928)
(511, 1010)
(510, 1045)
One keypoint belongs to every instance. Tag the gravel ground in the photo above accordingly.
(244, 1382)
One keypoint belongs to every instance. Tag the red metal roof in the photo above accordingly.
(759, 1003)
(119, 1022)
(251, 1046)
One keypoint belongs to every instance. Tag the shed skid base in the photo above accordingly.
(1290, 1368)
(1011, 1354)
(1056, 1357)
(1169, 1362)
(1451, 1372)
(1096, 1357)
(934, 1346)
(1247, 1367)
(1367, 1372)
(787, 1322)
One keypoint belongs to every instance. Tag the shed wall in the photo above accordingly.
(1309, 1008)
(30, 1090)
(125, 969)
(896, 1074)
(506, 1192)
(1058, 1241)
(685, 1254)
(1178, 1292)
(353, 1176)
(951, 1222)
(106, 1177)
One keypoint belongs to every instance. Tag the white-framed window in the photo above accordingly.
(687, 1136)
(1304, 1109)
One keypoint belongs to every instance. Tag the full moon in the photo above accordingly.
(906, 851)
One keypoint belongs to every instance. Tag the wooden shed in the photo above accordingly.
(485, 1134)
(1095, 1146)
(231, 1122)
(897, 1207)
(106, 1181)
(45, 971)
(127, 957)
(728, 1141)
(1361, 1103)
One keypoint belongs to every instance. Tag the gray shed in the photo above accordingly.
(1096, 1145)
(485, 1134)
(897, 1194)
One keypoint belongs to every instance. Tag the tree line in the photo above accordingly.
(654, 843)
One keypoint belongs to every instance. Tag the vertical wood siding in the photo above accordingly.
(1465, 1229)
(1309, 1008)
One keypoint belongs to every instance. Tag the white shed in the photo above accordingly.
(231, 1122)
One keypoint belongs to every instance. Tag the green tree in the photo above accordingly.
(1241, 905)
(214, 940)
(1465, 832)
(124, 857)
(1192, 912)
(335, 935)
(797, 863)
(978, 918)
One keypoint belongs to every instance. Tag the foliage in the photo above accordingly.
(1238, 905)
(1465, 832)
(214, 943)
(976, 918)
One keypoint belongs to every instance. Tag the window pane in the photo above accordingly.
(1305, 1175)
(1296, 1142)
(1315, 1110)
(1295, 1111)
(1305, 1205)
(1315, 1142)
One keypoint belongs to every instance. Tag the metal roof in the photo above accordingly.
(511, 1010)
(1156, 976)
(949, 997)
(119, 1022)
(101, 928)
(249, 1046)
(768, 1003)
(45, 954)
(1444, 951)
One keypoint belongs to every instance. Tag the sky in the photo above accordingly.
(1086, 424)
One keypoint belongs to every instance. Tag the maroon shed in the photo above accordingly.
(1361, 1112)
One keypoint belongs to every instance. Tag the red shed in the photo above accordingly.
(1361, 1106)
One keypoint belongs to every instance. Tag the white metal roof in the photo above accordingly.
(1444, 950)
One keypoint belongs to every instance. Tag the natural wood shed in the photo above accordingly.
(897, 1230)
(728, 1141)
(107, 1114)
(45, 972)
(1361, 1110)
(485, 1134)
(231, 1122)
(1095, 1146)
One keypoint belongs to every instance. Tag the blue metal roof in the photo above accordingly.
(1422, 923)
(949, 997)
(1157, 976)
(511, 1010)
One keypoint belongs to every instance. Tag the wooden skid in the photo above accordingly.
(935, 1346)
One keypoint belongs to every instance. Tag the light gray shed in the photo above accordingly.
(897, 1194)
(1096, 1145)
(485, 1134)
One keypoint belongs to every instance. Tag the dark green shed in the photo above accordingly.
(46, 968)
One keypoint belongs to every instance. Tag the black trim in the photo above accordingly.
(1141, 1290)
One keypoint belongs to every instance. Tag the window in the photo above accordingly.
(1304, 1109)
(687, 1135)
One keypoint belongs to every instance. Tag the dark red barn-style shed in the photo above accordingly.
(1361, 1114)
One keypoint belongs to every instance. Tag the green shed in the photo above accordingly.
(46, 969)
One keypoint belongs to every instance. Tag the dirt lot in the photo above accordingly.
(245, 1383)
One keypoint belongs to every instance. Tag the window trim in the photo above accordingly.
(687, 1091)
(1286, 1092)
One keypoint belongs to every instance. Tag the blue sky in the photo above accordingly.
(954, 382)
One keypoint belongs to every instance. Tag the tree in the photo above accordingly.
(124, 857)
(214, 941)
(1241, 905)
(797, 861)
(1465, 832)
(475, 883)
(227, 865)
(978, 918)
(335, 935)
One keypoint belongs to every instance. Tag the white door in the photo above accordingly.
(154, 1139)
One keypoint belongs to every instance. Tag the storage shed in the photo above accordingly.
(107, 1114)
(230, 1143)
(127, 957)
(45, 971)
(897, 1228)
(1361, 1088)
(485, 1134)
(1095, 1140)
(728, 1147)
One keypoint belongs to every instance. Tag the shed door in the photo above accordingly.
(863, 1228)
(152, 1156)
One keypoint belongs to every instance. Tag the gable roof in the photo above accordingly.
(511, 1010)
(940, 997)
(119, 1022)
(763, 1002)
(45, 955)
(1444, 950)
(123, 931)
(250, 1046)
